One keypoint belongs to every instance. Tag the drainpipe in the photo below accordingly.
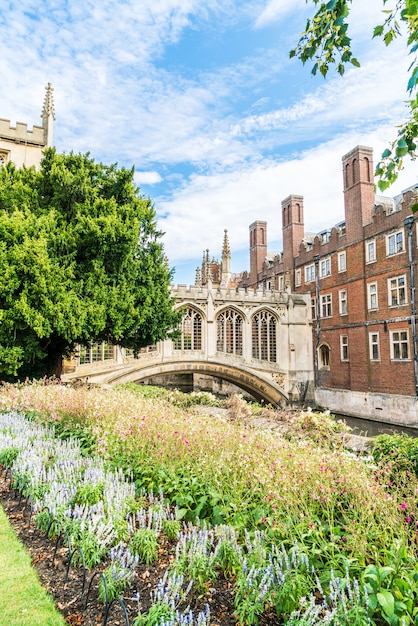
(318, 321)
(409, 223)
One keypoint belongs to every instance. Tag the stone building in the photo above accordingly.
(24, 146)
(360, 274)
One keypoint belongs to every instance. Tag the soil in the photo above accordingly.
(76, 593)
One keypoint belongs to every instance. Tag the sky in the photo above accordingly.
(202, 99)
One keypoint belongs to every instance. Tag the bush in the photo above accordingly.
(400, 452)
(8, 455)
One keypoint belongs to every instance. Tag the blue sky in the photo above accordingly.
(200, 96)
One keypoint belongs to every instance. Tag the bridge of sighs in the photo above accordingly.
(258, 340)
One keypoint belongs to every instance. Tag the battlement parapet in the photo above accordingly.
(21, 134)
(237, 296)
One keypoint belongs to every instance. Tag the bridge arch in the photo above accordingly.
(256, 384)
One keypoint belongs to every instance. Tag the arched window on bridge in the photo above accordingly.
(96, 352)
(264, 336)
(229, 332)
(191, 331)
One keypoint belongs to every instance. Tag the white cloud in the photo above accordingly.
(276, 10)
(234, 200)
(225, 133)
(147, 178)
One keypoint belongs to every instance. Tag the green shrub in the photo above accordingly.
(89, 494)
(145, 391)
(171, 527)
(398, 452)
(144, 544)
(8, 455)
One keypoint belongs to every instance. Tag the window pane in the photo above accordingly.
(229, 332)
(190, 331)
(264, 336)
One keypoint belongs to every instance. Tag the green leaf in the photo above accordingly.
(400, 152)
(378, 31)
(387, 602)
(340, 69)
(386, 153)
(355, 62)
(388, 38)
(383, 184)
(413, 81)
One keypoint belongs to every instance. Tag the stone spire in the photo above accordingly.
(226, 261)
(198, 279)
(208, 276)
(48, 115)
(226, 254)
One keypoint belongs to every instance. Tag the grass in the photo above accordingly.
(23, 600)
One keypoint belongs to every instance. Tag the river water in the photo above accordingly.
(370, 428)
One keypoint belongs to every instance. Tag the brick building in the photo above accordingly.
(361, 277)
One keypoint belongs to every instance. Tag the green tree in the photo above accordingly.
(326, 42)
(80, 261)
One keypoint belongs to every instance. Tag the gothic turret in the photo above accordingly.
(48, 116)
(226, 259)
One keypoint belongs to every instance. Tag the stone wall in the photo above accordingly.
(389, 408)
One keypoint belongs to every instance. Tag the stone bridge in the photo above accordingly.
(259, 341)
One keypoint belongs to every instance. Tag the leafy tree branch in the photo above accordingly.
(327, 43)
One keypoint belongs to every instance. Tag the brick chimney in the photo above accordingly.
(358, 191)
(258, 249)
(293, 228)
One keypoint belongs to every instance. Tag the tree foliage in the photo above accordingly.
(80, 261)
(326, 41)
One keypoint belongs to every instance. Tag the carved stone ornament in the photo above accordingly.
(279, 378)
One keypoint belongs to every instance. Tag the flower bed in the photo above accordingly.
(267, 503)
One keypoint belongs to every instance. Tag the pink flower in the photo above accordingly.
(403, 505)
